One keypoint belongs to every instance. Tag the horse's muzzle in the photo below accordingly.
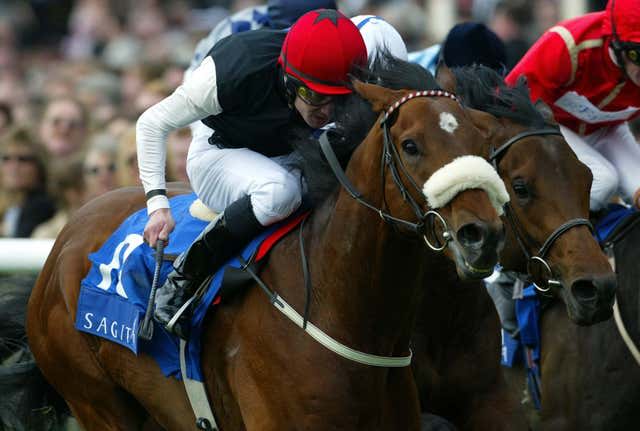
(593, 299)
(480, 243)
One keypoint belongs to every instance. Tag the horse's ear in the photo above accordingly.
(379, 97)
(545, 110)
(445, 78)
(483, 121)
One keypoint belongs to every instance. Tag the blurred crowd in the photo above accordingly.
(76, 74)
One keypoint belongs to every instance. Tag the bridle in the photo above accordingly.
(391, 160)
(495, 156)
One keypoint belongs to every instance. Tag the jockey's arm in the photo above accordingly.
(194, 100)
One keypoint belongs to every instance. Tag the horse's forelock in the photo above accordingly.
(482, 88)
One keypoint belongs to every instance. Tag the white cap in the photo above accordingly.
(378, 33)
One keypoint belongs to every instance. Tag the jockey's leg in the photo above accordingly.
(605, 178)
(264, 193)
(619, 146)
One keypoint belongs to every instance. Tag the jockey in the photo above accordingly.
(466, 44)
(587, 69)
(378, 34)
(250, 90)
(276, 15)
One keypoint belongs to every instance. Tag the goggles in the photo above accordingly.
(633, 55)
(311, 97)
(631, 52)
(308, 96)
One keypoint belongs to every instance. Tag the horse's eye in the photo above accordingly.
(521, 188)
(410, 147)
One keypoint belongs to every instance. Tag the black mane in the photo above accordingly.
(354, 119)
(482, 88)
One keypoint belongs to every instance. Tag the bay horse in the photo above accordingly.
(456, 355)
(262, 372)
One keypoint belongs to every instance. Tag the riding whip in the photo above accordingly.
(146, 329)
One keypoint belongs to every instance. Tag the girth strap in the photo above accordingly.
(197, 396)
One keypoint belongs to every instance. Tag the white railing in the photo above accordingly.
(17, 254)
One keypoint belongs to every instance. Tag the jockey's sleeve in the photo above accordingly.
(195, 99)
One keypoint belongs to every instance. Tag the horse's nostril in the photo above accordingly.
(584, 290)
(472, 234)
(606, 286)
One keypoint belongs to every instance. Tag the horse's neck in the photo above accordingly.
(368, 276)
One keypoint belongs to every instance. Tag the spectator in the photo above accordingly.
(64, 127)
(510, 21)
(67, 185)
(6, 118)
(100, 166)
(24, 201)
(151, 93)
(127, 160)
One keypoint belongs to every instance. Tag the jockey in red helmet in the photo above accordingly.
(317, 56)
(320, 50)
(622, 22)
(593, 87)
(249, 91)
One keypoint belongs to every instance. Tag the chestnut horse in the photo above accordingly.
(261, 371)
(456, 355)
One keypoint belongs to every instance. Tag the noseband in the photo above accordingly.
(494, 157)
(391, 160)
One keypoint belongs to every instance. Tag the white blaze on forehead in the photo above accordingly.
(463, 173)
(448, 122)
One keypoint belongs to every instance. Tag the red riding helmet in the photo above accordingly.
(622, 20)
(320, 50)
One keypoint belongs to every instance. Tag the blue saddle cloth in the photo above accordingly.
(526, 348)
(114, 295)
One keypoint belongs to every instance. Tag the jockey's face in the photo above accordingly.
(633, 70)
(315, 116)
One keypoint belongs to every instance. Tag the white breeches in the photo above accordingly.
(613, 156)
(222, 176)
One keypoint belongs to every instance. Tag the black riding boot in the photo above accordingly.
(220, 240)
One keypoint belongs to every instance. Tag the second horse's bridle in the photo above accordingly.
(495, 156)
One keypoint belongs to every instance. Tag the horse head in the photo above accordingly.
(549, 237)
(428, 146)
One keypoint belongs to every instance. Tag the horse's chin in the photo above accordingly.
(586, 315)
(468, 270)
